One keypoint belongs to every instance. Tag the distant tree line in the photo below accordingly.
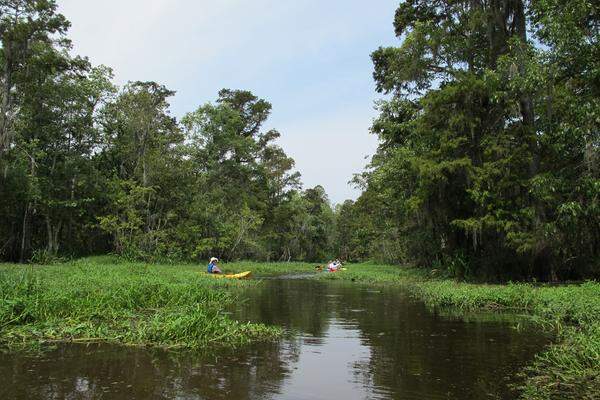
(488, 164)
(86, 167)
(489, 156)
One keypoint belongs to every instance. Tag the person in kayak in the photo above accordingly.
(334, 266)
(213, 268)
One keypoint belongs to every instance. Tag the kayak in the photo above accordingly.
(241, 275)
(336, 270)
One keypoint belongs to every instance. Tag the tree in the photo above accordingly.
(473, 170)
(317, 231)
(47, 131)
(244, 176)
(86, 167)
(25, 26)
(142, 157)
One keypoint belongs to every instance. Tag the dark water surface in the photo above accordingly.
(346, 342)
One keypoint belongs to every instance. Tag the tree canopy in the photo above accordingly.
(487, 166)
(87, 167)
(489, 141)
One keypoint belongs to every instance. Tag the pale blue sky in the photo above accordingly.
(309, 58)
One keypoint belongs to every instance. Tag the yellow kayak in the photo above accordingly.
(241, 275)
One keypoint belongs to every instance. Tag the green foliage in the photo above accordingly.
(105, 300)
(488, 157)
(88, 168)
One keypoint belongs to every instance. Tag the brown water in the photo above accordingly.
(345, 342)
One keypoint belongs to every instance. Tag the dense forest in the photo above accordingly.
(488, 164)
(90, 168)
(489, 156)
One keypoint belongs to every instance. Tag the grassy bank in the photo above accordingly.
(103, 299)
(569, 369)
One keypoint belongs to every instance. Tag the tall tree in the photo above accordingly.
(245, 176)
(25, 26)
(141, 156)
(471, 169)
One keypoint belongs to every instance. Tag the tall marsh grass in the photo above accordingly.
(103, 299)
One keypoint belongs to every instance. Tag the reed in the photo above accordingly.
(106, 300)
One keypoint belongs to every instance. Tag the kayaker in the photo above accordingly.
(212, 266)
(334, 266)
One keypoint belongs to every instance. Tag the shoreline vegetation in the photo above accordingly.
(106, 299)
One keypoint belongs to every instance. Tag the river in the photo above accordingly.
(343, 341)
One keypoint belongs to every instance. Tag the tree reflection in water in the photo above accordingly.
(343, 341)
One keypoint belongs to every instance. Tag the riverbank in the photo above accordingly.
(569, 369)
(104, 299)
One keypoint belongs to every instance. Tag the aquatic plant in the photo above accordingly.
(105, 300)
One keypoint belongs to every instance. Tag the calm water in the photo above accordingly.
(345, 342)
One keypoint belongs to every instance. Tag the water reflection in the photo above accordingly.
(397, 348)
(346, 342)
(100, 371)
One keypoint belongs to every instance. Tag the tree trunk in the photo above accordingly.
(50, 245)
(24, 233)
(6, 104)
(144, 174)
(53, 233)
(71, 223)
(519, 28)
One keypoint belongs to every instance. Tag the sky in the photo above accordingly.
(309, 58)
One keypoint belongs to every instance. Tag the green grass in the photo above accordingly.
(103, 299)
(568, 369)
